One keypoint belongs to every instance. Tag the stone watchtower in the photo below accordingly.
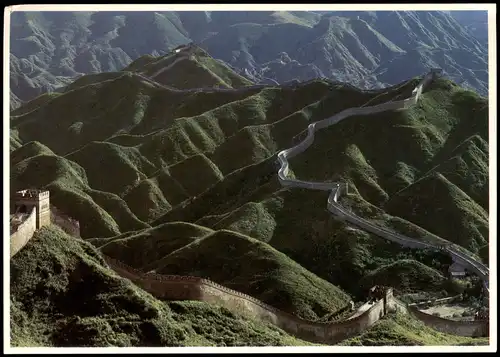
(24, 200)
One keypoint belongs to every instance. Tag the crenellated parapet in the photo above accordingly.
(175, 287)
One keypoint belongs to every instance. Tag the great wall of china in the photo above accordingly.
(173, 287)
(337, 188)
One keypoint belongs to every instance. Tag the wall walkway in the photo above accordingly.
(23, 233)
(336, 188)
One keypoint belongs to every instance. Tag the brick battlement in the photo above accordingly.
(208, 283)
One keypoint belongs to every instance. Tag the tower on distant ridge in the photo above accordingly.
(24, 200)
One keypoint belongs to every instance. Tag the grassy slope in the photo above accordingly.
(190, 74)
(148, 141)
(35, 103)
(245, 212)
(296, 223)
(62, 294)
(438, 151)
(100, 213)
(74, 300)
(137, 156)
(221, 70)
(405, 276)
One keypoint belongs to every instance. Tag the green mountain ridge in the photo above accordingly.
(186, 183)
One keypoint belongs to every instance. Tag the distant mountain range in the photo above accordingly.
(367, 49)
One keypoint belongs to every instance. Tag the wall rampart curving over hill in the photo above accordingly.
(173, 287)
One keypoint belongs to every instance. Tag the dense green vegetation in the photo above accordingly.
(438, 174)
(63, 294)
(186, 183)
